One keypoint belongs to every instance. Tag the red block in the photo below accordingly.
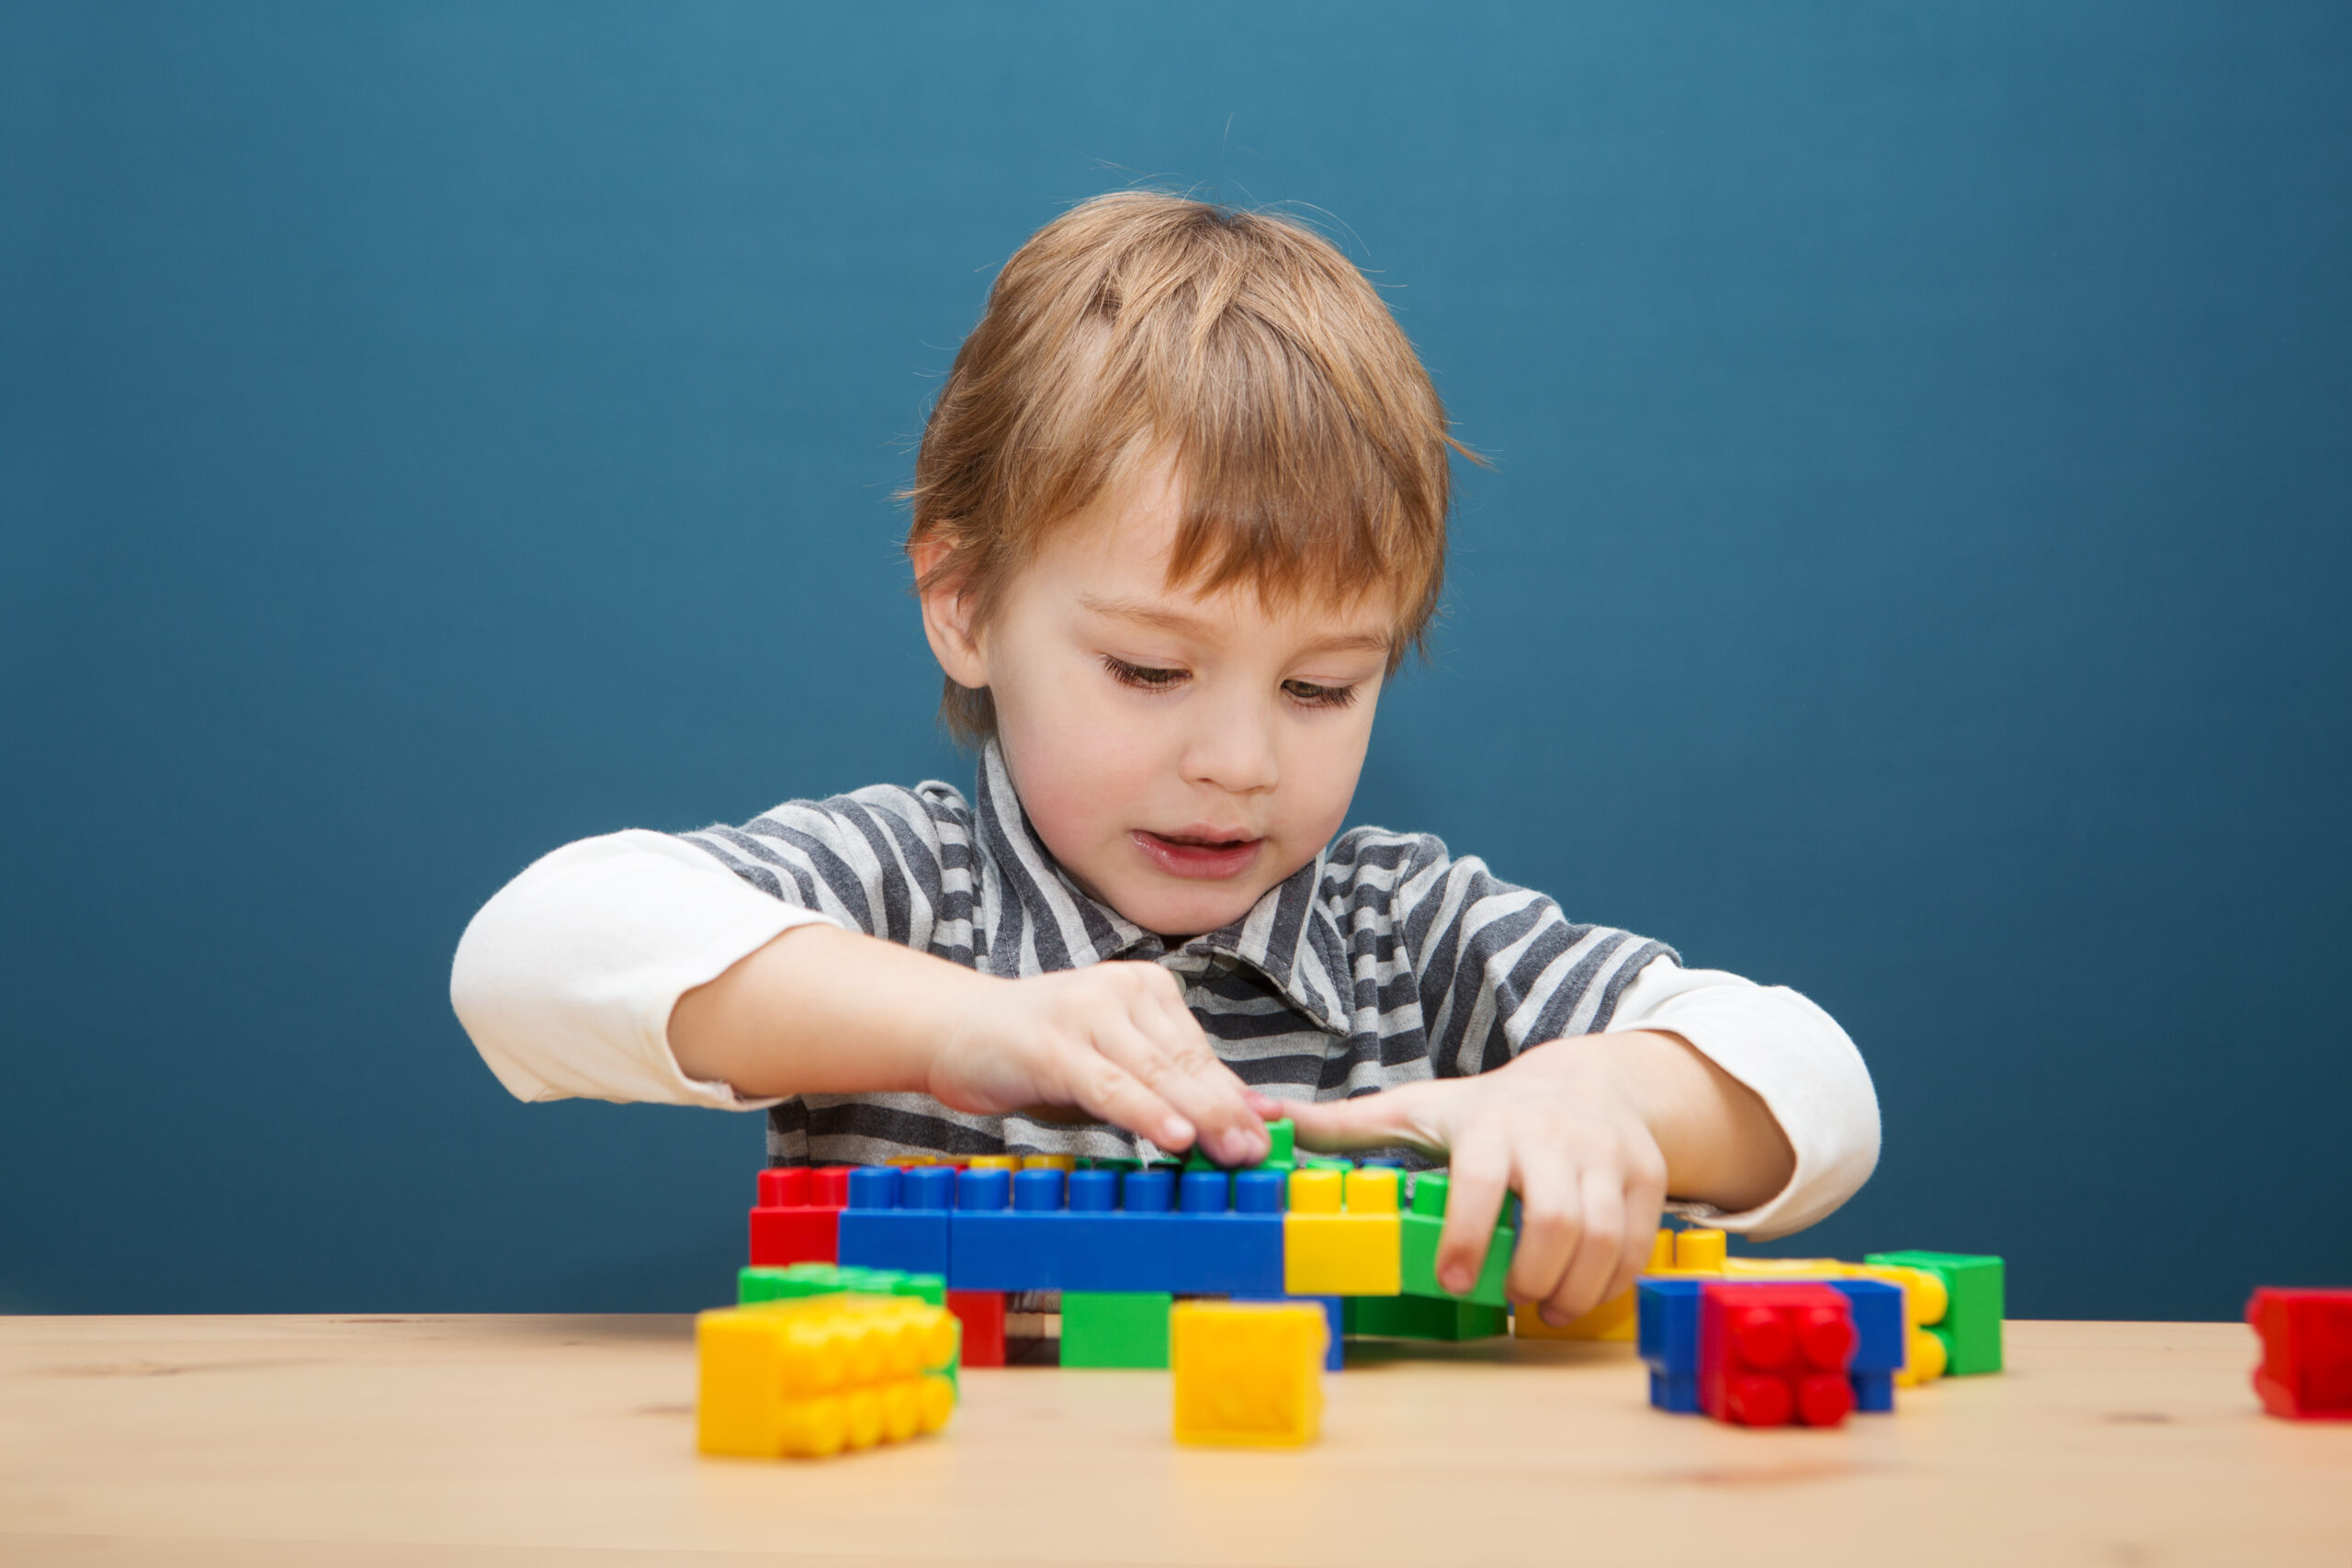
(799, 1217)
(1770, 1353)
(2306, 1369)
(982, 1314)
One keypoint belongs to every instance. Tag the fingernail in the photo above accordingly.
(1457, 1279)
(1174, 1134)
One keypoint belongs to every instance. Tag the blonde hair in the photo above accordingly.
(1310, 445)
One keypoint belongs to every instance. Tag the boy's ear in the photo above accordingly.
(947, 617)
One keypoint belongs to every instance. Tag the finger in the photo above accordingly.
(1095, 1081)
(1171, 1056)
(1590, 1271)
(1644, 1207)
(1399, 1117)
(1475, 1187)
(1204, 1088)
(1551, 1219)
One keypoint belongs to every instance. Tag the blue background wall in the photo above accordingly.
(1916, 552)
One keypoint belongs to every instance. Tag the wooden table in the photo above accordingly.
(568, 1440)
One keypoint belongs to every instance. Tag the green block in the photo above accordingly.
(1282, 1147)
(1115, 1328)
(1422, 1228)
(1324, 1162)
(1971, 1327)
(1421, 1317)
(761, 1283)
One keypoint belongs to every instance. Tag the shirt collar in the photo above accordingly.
(1287, 936)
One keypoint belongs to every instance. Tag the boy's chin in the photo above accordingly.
(1176, 914)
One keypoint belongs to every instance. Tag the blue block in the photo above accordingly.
(913, 1240)
(1677, 1392)
(1878, 1337)
(1230, 1254)
(1874, 1391)
(1121, 1251)
(1006, 1250)
(1666, 1327)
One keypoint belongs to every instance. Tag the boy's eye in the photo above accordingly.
(1143, 676)
(1316, 696)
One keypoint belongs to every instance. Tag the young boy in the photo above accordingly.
(1178, 512)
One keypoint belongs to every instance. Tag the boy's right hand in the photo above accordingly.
(1115, 1041)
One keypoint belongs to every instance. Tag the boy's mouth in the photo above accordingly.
(1197, 855)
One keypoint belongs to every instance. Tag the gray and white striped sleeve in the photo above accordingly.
(891, 862)
(1500, 967)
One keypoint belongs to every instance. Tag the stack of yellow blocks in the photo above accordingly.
(809, 1377)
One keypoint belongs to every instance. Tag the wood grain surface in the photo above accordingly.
(569, 1441)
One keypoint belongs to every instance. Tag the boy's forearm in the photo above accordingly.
(1722, 1145)
(821, 1011)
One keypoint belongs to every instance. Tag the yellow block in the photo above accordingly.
(1925, 1300)
(1613, 1319)
(1315, 1190)
(1699, 1252)
(811, 1376)
(1785, 1268)
(1373, 1189)
(1050, 1162)
(994, 1162)
(1343, 1254)
(1248, 1375)
(1923, 1360)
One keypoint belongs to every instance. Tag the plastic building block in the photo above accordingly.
(1063, 1163)
(1419, 1231)
(2305, 1373)
(809, 1377)
(761, 1283)
(1248, 1374)
(981, 1312)
(1115, 1328)
(1881, 1337)
(898, 1219)
(1425, 1317)
(1971, 1326)
(1341, 1237)
(993, 1162)
(799, 1215)
(1667, 1314)
(1107, 1232)
(1699, 1251)
(1770, 1353)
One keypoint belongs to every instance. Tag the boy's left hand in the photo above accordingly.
(1562, 1125)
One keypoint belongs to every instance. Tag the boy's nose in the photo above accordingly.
(1233, 749)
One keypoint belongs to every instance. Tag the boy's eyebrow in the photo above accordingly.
(1177, 621)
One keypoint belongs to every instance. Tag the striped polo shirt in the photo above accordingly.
(1385, 960)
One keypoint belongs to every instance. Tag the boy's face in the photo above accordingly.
(1178, 754)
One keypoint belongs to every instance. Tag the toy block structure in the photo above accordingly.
(1248, 1374)
(808, 1376)
(797, 1217)
(1969, 1328)
(1116, 1328)
(1670, 1338)
(1342, 1236)
(1773, 1353)
(2305, 1373)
